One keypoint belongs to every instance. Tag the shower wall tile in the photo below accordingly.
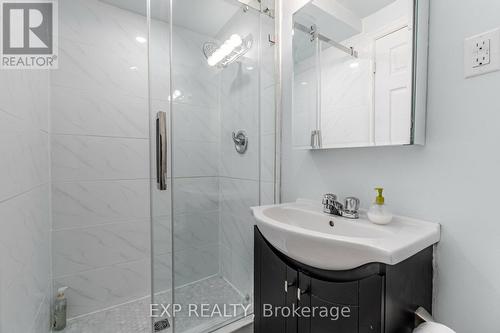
(267, 107)
(196, 195)
(162, 273)
(84, 204)
(267, 193)
(25, 95)
(98, 158)
(97, 289)
(24, 201)
(100, 155)
(195, 123)
(43, 322)
(77, 250)
(193, 264)
(268, 51)
(162, 235)
(159, 60)
(239, 110)
(197, 82)
(86, 112)
(196, 230)
(195, 159)
(24, 148)
(87, 67)
(235, 165)
(25, 258)
(96, 23)
(236, 224)
(238, 195)
(267, 161)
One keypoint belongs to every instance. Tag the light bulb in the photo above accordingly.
(235, 40)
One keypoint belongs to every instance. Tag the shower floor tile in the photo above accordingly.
(134, 317)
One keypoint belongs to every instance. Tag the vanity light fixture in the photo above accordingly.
(230, 51)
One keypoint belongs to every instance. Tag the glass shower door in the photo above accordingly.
(208, 73)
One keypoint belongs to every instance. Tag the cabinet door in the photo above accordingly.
(333, 307)
(275, 288)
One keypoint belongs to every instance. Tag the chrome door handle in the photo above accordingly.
(161, 150)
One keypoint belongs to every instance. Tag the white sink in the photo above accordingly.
(303, 232)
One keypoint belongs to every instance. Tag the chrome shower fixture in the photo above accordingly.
(230, 51)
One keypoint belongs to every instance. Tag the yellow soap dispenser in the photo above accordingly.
(378, 212)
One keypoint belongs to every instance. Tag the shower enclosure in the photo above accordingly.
(151, 191)
(202, 227)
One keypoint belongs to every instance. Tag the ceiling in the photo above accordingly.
(207, 17)
(363, 8)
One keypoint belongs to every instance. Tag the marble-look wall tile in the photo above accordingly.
(195, 123)
(24, 150)
(267, 110)
(43, 322)
(162, 273)
(193, 264)
(162, 234)
(83, 204)
(196, 195)
(196, 230)
(197, 82)
(96, 23)
(267, 193)
(97, 289)
(92, 112)
(89, 67)
(235, 165)
(25, 95)
(268, 50)
(98, 158)
(81, 249)
(25, 258)
(195, 159)
(236, 224)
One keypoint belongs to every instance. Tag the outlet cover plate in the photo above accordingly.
(482, 53)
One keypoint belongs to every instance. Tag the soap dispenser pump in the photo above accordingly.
(60, 310)
(378, 212)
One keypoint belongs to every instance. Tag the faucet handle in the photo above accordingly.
(329, 199)
(351, 204)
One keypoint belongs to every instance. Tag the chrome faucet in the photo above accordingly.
(331, 205)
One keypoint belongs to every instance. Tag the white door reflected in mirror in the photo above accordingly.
(358, 78)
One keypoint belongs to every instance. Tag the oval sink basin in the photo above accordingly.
(303, 232)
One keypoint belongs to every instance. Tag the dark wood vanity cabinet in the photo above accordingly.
(374, 298)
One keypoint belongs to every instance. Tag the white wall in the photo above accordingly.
(453, 180)
(25, 285)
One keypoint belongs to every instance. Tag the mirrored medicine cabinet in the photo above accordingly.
(360, 73)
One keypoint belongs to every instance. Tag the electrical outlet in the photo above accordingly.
(482, 53)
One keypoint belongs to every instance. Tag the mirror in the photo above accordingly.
(360, 73)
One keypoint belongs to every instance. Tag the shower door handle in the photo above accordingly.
(161, 150)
